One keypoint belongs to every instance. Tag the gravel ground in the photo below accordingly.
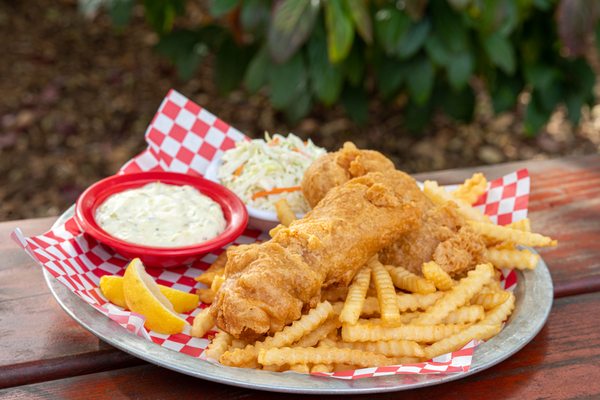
(78, 94)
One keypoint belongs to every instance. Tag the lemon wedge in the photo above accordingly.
(143, 296)
(112, 288)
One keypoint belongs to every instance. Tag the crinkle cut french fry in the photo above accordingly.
(465, 315)
(471, 188)
(440, 196)
(458, 340)
(320, 355)
(501, 312)
(320, 333)
(300, 368)
(206, 278)
(418, 333)
(240, 357)
(386, 294)
(356, 296)
(440, 278)
(217, 282)
(521, 225)
(504, 234)
(284, 212)
(406, 280)
(321, 368)
(290, 334)
(389, 348)
(206, 295)
(202, 323)
(459, 295)
(490, 299)
(520, 259)
(219, 345)
(301, 327)
(406, 302)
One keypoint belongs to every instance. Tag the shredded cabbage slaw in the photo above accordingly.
(261, 171)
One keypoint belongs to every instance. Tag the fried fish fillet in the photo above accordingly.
(441, 236)
(335, 169)
(270, 284)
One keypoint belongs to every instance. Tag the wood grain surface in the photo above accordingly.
(38, 340)
(562, 362)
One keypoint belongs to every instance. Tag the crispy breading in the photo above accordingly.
(270, 284)
(335, 169)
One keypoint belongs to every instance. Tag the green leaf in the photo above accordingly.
(460, 70)
(230, 65)
(291, 25)
(340, 31)
(160, 14)
(459, 105)
(390, 27)
(541, 76)
(413, 40)
(254, 15)
(185, 49)
(354, 65)
(298, 109)
(326, 79)
(535, 117)
(574, 102)
(355, 102)
(359, 11)
(459, 4)
(505, 92)
(449, 27)
(421, 80)
(257, 73)
(500, 52)
(498, 16)
(437, 51)
(391, 74)
(287, 81)
(120, 12)
(222, 7)
(417, 116)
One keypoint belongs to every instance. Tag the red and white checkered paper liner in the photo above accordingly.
(184, 137)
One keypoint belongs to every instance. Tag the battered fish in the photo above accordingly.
(269, 285)
(441, 236)
(335, 169)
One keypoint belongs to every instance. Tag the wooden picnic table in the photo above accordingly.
(45, 354)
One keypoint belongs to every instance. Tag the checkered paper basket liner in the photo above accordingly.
(184, 137)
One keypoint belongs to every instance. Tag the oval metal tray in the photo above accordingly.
(534, 294)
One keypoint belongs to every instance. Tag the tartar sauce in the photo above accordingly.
(162, 215)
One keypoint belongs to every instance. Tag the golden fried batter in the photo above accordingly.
(268, 285)
(334, 169)
(439, 237)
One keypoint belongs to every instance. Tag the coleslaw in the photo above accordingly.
(262, 171)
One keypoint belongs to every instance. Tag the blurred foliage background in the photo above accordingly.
(345, 51)
(433, 84)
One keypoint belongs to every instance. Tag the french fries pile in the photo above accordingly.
(388, 315)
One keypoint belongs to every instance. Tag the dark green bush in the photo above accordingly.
(342, 51)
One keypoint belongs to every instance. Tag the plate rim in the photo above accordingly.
(533, 307)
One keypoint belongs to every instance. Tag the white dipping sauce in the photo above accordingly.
(161, 215)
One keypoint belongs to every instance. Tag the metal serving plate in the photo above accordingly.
(534, 301)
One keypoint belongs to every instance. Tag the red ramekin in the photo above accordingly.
(233, 208)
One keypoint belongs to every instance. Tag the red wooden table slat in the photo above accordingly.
(38, 340)
(562, 362)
